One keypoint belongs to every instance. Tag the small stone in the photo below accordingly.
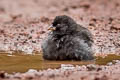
(17, 76)
(99, 69)
(116, 61)
(31, 71)
(2, 74)
(67, 66)
(91, 67)
(83, 67)
(109, 64)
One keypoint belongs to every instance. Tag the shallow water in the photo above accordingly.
(22, 62)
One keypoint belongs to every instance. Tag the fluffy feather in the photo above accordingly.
(70, 41)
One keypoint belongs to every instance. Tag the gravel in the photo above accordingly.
(23, 24)
(68, 71)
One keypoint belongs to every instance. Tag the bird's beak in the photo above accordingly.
(52, 28)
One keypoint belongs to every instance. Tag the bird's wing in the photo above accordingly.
(85, 34)
(82, 49)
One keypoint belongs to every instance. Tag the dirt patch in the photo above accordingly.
(68, 71)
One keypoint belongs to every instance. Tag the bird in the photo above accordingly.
(67, 40)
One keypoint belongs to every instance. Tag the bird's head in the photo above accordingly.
(63, 25)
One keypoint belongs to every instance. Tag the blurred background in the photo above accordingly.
(24, 23)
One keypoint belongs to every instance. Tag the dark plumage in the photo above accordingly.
(67, 41)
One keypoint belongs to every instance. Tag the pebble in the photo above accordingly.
(109, 64)
(67, 66)
(32, 71)
(2, 74)
(91, 67)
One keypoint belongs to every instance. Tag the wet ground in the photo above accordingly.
(33, 67)
(22, 63)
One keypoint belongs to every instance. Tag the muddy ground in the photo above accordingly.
(24, 23)
(69, 72)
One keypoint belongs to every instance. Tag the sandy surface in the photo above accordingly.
(24, 23)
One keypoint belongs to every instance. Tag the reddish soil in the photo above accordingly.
(24, 23)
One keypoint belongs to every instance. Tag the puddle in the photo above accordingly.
(22, 63)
